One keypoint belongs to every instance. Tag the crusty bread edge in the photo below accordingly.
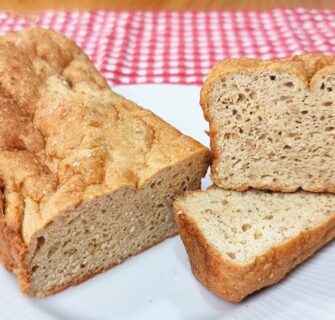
(14, 251)
(234, 282)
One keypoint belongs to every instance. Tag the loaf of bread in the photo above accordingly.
(240, 242)
(272, 123)
(88, 178)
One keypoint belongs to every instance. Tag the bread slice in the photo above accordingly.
(272, 123)
(241, 242)
(88, 178)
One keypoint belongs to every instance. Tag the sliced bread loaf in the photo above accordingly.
(87, 177)
(272, 123)
(241, 242)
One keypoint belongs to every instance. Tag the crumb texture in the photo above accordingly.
(107, 230)
(272, 123)
(240, 242)
(243, 225)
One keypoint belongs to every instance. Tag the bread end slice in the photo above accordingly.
(222, 247)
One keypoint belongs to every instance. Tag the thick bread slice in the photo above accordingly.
(88, 178)
(272, 123)
(241, 242)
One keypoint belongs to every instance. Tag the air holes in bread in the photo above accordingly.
(231, 255)
(327, 104)
(34, 268)
(246, 227)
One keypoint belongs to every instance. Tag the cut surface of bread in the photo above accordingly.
(88, 178)
(272, 123)
(240, 242)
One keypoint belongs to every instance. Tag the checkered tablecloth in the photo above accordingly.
(172, 47)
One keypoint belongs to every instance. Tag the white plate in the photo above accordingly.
(158, 284)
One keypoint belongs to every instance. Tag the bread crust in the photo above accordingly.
(13, 250)
(67, 138)
(308, 68)
(235, 282)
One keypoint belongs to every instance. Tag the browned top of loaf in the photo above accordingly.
(65, 136)
(306, 67)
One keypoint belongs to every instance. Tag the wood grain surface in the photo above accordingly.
(39, 5)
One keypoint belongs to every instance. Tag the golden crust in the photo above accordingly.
(13, 250)
(234, 282)
(66, 137)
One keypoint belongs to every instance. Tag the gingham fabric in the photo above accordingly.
(180, 47)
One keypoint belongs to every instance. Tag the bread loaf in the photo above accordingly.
(272, 123)
(88, 178)
(240, 242)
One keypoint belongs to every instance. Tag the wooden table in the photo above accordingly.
(39, 5)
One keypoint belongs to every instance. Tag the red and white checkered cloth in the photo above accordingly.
(180, 47)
